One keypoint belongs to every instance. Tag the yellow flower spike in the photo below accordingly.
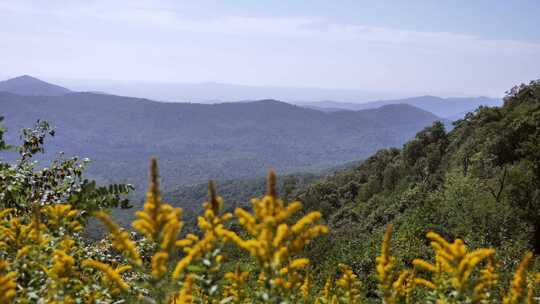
(424, 265)
(488, 279)
(203, 223)
(349, 284)
(439, 240)
(519, 282)
(425, 283)
(305, 289)
(113, 277)
(211, 223)
(5, 212)
(63, 263)
(8, 283)
(23, 251)
(280, 256)
(288, 211)
(305, 237)
(159, 264)
(385, 265)
(183, 243)
(36, 226)
(299, 263)
(272, 242)
(246, 220)
(171, 230)
(196, 251)
(192, 237)
(469, 262)
(219, 259)
(305, 222)
(281, 234)
(458, 249)
(186, 293)
(235, 289)
(120, 238)
(400, 285)
(62, 215)
(158, 221)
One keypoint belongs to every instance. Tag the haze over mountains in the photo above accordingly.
(212, 92)
(451, 108)
(197, 141)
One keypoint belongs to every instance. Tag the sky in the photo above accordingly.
(449, 47)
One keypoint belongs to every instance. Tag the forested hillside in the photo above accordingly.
(361, 235)
(197, 141)
(481, 182)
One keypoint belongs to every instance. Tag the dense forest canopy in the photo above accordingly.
(197, 141)
(479, 181)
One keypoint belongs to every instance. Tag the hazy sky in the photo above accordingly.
(462, 46)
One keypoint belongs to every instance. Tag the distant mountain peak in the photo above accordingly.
(31, 86)
(24, 77)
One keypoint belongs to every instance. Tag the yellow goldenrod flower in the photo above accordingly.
(120, 238)
(5, 212)
(186, 293)
(113, 276)
(158, 221)
(327, 288)
(36, 227)
(235, 289)
(299, 263)
(304, 222)
(488, 279)
(424, 265)
(349, 285)
(62, 216)
(159, 264)
(23, 251)
(425, 283)
(385, 266)
(272, 241)
(519, 282)
(453, 269)
(211, 223)
(63, 263)
(305, 289)
(403, 286)
(194, 252)
(8, 283)
(470, 260)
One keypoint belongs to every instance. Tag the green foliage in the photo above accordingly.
(481, 181)
(24, 182)
(3, 144)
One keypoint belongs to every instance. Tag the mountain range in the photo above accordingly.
(452, 108)
(197, 141)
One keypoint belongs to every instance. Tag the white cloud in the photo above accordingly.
(149, 40)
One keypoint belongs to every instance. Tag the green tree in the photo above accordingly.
(24, 183)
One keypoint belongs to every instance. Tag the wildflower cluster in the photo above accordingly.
(276, 244)
(457, 275)
(43, 259)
